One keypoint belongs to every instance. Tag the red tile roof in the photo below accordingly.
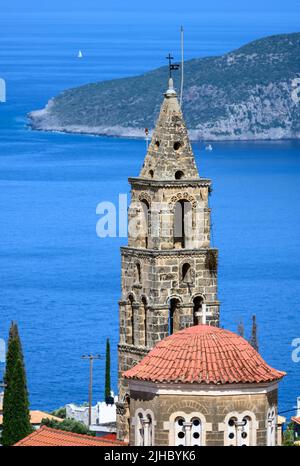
(204, 354)
(46, 437)
(109, 436)
(296, 420)
(36, 417)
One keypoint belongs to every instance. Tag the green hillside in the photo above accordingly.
(245, 94)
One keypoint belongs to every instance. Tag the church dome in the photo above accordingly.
(204, 355)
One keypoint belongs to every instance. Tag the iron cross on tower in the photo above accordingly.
(172, 66)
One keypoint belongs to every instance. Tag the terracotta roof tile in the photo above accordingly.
(204, 354)
(36, 417)
(46, 437)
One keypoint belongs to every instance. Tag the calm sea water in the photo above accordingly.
(62, 283)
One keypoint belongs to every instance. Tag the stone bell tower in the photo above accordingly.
(169, 270)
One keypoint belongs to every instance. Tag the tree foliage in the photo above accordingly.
(288, 436)
(16, 416)
(69, 425)
(60, 412)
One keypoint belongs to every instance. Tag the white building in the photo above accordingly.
(103, 415)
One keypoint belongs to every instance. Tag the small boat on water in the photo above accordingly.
(80, 55)
(209, 147)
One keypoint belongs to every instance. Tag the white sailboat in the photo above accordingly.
(80, 55)
(209, 147)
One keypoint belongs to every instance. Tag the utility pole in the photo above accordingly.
(91, 358)
(182, 64)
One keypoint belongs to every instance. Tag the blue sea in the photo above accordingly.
(57, 278)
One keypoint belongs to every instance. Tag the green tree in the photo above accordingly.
(70, 425)
(288, 436)
(107, 371)
(60, 412)
(16, 416)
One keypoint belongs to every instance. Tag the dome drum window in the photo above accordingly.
(271, 427)
(239, 431)
(144, 426)
(187, 433)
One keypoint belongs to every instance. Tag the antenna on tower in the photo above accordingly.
(182, 64)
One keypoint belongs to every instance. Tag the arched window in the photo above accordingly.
(177, 145)
(138, 273)
(179, 175)
(179, 432)
(140, 430)
(196, 432)
(143, 314)
(245, 432)
(197, 310)
(232, 432)
(145, 223)
(187, 433)
(239, 431)
(182, 223)
(271, 427)
(174, 324)
(148, 430)
(144, 429)
(130, 320)
(186, 273)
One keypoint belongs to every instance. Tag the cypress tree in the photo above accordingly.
(16, 417)
(107, 371)
(253, 339)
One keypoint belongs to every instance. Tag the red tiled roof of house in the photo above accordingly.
(204, 354)
(296, 420)
(46, 437)
(36, 417)
(109, 437)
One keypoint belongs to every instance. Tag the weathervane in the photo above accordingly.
(172, 66)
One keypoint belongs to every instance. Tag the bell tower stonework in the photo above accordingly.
(169, 270)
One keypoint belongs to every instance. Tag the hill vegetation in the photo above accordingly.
(250, 93)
